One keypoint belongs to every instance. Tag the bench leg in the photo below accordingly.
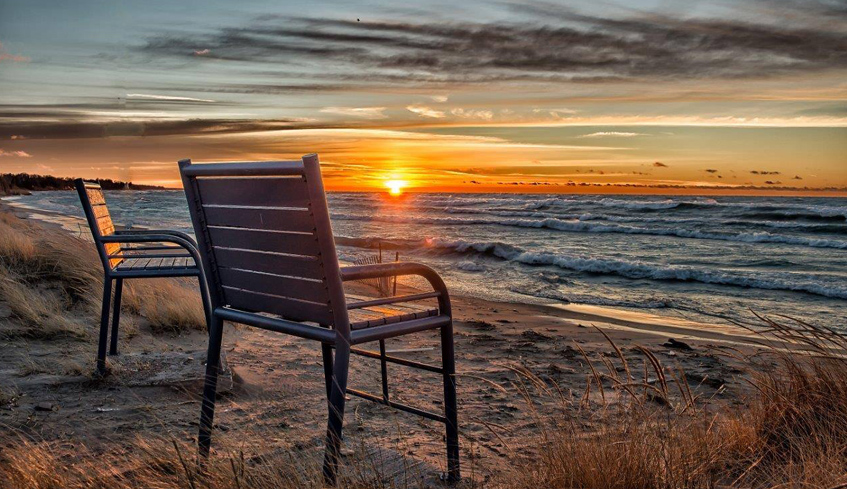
(450, 408)
(204, 296)
(207, 409)
(326, 351)
(104, 326)
(116, 316)
(383, 368)
(336, 412)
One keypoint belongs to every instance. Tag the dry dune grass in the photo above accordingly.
(52, 282)
(791, 434)
(166, 464)
(170, 305)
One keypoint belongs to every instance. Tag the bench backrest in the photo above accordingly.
(265, 238)
(99, 221)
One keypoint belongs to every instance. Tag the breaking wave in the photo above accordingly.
(593, 227)
(642, 270)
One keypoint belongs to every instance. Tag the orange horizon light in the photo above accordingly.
(395, 187)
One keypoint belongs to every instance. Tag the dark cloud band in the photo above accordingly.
(550, 45)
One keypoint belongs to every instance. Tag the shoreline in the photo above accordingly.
(606, 317)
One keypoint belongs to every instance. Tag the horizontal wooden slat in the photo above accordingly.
(277, 242)
(95, 196)
(287, 308)
(294, 266)
(363, 318)
(249, 168)
(100, 211)
(308, 290)
(104, 224)
(134, 263)
(159, 263)
(260, 218)
(267, 192)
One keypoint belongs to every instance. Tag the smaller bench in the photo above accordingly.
(133, 254)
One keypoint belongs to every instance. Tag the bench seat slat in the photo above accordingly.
(363, 318)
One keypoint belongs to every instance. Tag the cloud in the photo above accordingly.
(363, 112)
(659, 164)
(6, 56)
(19, 154)
(546, 44)
(473, 114)
(201, 52)
(167, 98)
(426, 111)
(75, 129)
(710, 170)
(439, 98)
(612, 134)
(762, 172)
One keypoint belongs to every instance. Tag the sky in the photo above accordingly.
(642, 96)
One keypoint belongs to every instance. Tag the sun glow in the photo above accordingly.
(395, 187)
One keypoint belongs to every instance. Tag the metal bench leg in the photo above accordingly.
(383, 370)
(204, 296)
(116, 316)
(450, 408)
(336, 411)
(104, 326)
(207, 409)
(326, 351)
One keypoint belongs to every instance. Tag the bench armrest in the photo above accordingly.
(360, 272)
(164, 232)
(145, 237)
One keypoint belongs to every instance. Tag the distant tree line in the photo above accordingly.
(23, 183)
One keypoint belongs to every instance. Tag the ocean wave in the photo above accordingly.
(786, 210)
(784, 215)
(632, 269)
(592, 227)
(642, 270)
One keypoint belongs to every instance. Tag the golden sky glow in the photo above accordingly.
(583, 98)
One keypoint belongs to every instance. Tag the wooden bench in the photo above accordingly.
(130, 255)
(264, 236)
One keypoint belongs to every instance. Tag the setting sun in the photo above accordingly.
(395, 187)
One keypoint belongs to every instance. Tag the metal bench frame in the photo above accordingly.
(112, 256)
(334, 333)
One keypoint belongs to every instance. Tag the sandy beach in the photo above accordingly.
(276, 390)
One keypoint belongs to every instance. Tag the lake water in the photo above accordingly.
(695, 257)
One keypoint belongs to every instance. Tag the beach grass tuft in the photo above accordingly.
(52, 283)
(791, 432)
